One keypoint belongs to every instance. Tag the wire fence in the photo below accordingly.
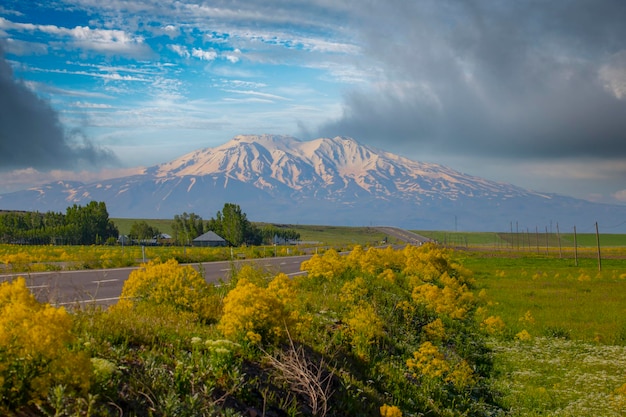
(548, 241)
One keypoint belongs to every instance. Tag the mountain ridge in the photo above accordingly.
(336, 180)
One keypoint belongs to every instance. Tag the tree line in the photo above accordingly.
(79, 225)
(90, 224)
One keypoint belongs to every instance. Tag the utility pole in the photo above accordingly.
(575, 248)
(598, 243)
(558, 237)
(537, 238)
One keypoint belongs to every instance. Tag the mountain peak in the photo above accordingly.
(266, 140)
(323, 181)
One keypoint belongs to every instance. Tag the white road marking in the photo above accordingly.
(95, 300)
(38, 286)
(102, 281)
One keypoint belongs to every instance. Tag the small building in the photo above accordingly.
(163, 239)
(210, 238)
(124, 240)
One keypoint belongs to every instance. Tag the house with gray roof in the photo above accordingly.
(210, 238)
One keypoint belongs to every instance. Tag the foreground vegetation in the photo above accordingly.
(375, 332)
(417, 331)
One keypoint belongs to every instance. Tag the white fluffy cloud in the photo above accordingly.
(204, 55)
(100, 40)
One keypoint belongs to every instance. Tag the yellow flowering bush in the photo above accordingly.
(390, 411)
(377, 260)
(431, 363)
(34, 349)
(170, 283)
(435, 330)
(428, 361)
(353, 291)
(353, 259)
(388, 275)
(493, 325)
(329, 265)
(427, 262)
(527, 318)
(255, 313)
(523, 336)
(283, 288)
(364, 327)
(17, 261)
(453, 299)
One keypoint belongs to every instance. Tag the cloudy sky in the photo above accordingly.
(527, 92)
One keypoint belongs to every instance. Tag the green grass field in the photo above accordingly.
(574, 360)
(124, 225)
(524, 241)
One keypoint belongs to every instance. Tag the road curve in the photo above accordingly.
(404, 235)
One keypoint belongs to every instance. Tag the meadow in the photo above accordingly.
(560, 348)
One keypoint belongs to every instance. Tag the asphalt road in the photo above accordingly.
(104, 286)
(404, 235)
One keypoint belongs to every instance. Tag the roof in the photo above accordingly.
(209, 236)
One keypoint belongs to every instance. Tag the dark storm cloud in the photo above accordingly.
(512, 79)
(31, 135)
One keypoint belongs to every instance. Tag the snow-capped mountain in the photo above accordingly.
(323, 181)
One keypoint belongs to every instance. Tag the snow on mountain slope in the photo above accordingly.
(331, 167)
(323, 181)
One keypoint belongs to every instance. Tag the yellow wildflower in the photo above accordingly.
(390, 411)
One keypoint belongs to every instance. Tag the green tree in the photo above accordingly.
(232, 224)
(186, 227)
(90, 224)
(142, 230)
(269, 231)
